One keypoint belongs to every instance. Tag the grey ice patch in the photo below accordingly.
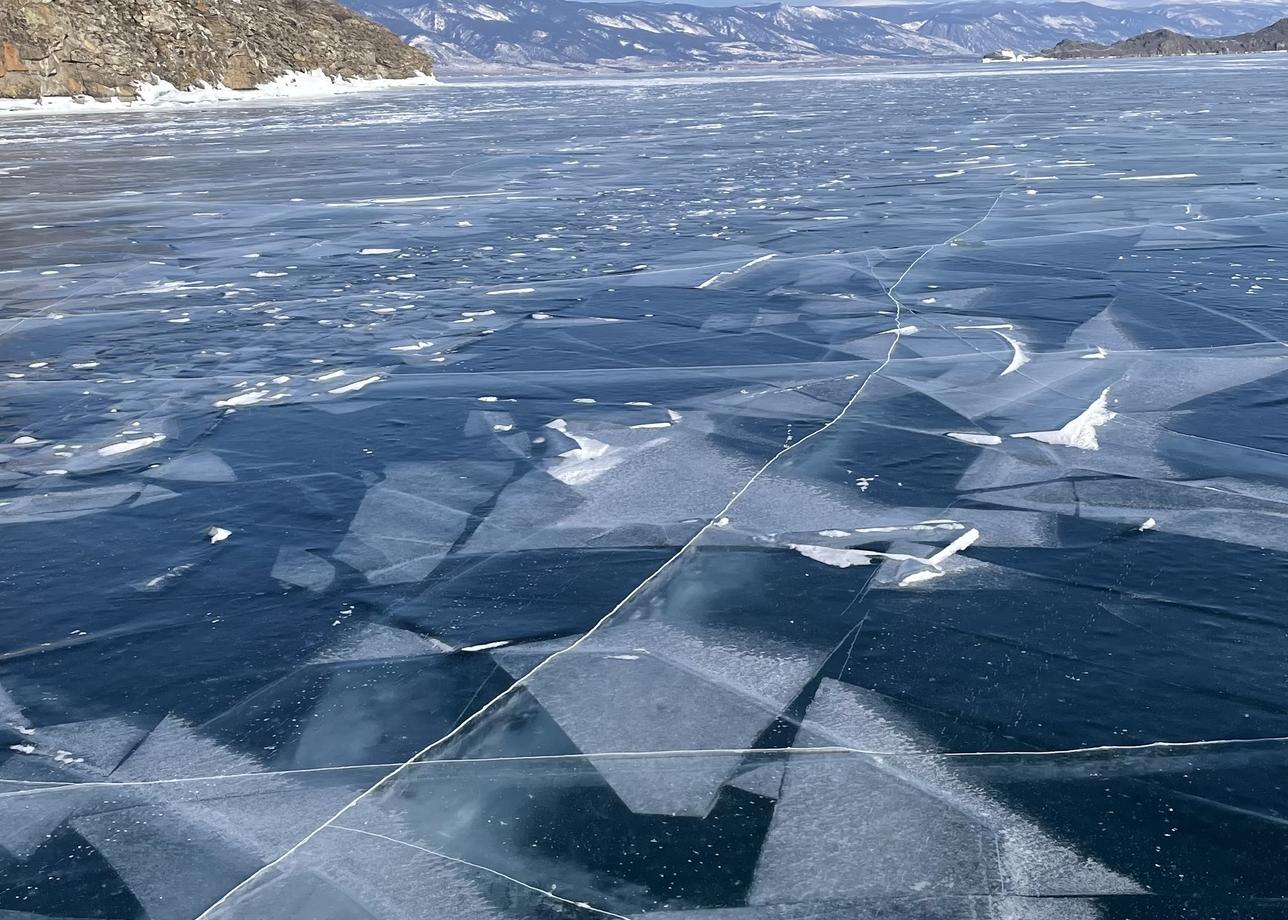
(65, 504)
(409, 521)
(199, 466)
(301, 568)
(900, 822)
(175, 748)
(764, 779)
(630, 687)
(375, 642)
(97, 746)
(150, 494)
(941, 907)
(175, 866)
(342, 873)
(28, 821)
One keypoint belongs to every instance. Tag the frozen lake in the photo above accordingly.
(800, 497)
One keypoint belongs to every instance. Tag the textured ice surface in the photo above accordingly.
(851, 827)
(408, 522)
(874, 509)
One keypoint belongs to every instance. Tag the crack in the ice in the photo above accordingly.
(635, 592)
(39, 786)
(464, 862)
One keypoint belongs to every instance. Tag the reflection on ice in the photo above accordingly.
(506, 505)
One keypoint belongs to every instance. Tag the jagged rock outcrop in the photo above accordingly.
(1165, 41)
(102, 48)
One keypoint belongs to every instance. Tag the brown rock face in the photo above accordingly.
(104, 47)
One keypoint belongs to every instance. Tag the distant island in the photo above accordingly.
(1166, 42)
(105, 48)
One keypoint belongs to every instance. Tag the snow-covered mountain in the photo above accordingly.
(984, 26)
(536, 35)
(475, 35)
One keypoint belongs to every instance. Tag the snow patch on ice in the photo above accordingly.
(356, 385)
(1080, 432)
(972, 438)
(122, 447)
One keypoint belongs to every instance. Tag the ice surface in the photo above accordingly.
(302, 568)
(875, 508)
(636, 671)
(65, 504)
(199, 466)
(408, 522)
(845, 828)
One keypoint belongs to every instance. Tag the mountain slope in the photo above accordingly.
(104, 47)
(984, 26)
(549, 34)
(1165, 42)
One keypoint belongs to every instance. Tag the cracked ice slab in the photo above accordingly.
(634, 687)
(408, 522)
(849, 827)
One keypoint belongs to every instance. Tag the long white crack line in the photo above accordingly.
(465, 862)
(34, 787)
(636, 591)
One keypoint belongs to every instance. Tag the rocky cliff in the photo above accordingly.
(103, 48)
(1165, 41)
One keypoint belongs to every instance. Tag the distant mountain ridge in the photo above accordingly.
(986, 26)
(472, 36)
(567, 34)
(1166, 42)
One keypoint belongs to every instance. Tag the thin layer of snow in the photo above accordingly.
(162, 94)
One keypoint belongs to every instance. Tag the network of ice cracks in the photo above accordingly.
(716, 500)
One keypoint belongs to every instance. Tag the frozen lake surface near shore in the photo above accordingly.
(824, 496)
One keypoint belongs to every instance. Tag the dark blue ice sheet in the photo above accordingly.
(817, 496)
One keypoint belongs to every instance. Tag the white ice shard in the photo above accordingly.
(968, 437)
(1079, 432)
(124, 447)
(932, 564)
(586, 462)
(356, 385)
(1019, 357)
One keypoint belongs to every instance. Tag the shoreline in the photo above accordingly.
(162, 95)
